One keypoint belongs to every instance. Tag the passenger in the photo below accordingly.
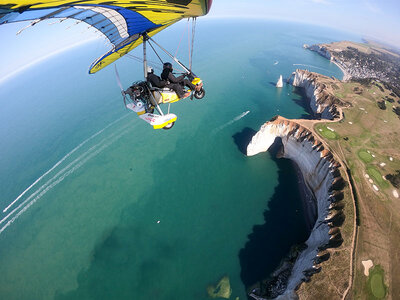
(154, 79)
(157, 82)
(176, 83)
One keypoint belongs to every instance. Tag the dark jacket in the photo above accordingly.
(167, 75)
(155, 80)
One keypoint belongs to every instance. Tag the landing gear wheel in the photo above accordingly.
(200, 94)
(169, 126)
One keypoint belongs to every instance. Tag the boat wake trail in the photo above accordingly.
(63, 173)
(242, 115)
(61, 160)
(310, 66)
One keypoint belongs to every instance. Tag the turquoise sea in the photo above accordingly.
(117, 210)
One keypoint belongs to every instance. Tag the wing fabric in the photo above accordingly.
(122, 22)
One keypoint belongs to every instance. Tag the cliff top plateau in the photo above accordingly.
(367, 141)
(364, 138)
(361, 61)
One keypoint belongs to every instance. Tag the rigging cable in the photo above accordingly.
(183, 34)
(155, 65)
(188, 40)
(192, 47)
(155, 52)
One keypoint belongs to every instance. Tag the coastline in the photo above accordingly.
(324, 52)
(372, 86)
(320, 176)
(346, 75)
(307, 198)
(308, 201)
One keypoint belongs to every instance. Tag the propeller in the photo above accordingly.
(120, 85)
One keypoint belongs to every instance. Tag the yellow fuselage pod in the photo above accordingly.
(169, 96)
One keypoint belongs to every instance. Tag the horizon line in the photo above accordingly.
(43, 58)
(383, 42)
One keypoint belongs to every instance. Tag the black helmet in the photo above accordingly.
(150, 69)
(167, 65)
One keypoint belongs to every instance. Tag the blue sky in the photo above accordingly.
(370, 18)
(379, 19)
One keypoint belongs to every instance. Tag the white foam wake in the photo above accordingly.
(60, 161)
(242, 115)
(310, 66)
(59, 177)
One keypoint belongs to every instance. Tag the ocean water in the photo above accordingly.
(108, 208)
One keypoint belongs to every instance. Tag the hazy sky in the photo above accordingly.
(369, 18)
(379, 19)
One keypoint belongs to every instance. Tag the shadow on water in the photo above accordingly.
(243, 138)
(111, 270)
(303, 102)
(284, 226)
(310, 114)
(272, 83)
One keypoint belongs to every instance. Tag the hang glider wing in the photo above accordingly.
(122, 22)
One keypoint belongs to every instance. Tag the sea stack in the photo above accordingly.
(279, 84)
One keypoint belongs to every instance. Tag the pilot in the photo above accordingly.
(157, 82)
(176, 83)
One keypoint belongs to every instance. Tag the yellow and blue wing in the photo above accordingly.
(122, 22)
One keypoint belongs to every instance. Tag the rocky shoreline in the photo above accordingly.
(324, 105)
(310, 208)
(323, 51)
(322, 176)
(322, 179)
(308, 202)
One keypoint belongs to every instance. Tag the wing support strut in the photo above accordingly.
(146, 37)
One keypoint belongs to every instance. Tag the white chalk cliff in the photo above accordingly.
(322, 177)
(321, 50)
(322, 103)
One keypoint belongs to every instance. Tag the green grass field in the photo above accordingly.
(377, 177)
(365, 138)
(339, 95)
(376, 284)
(329, 134)
(365, 156)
